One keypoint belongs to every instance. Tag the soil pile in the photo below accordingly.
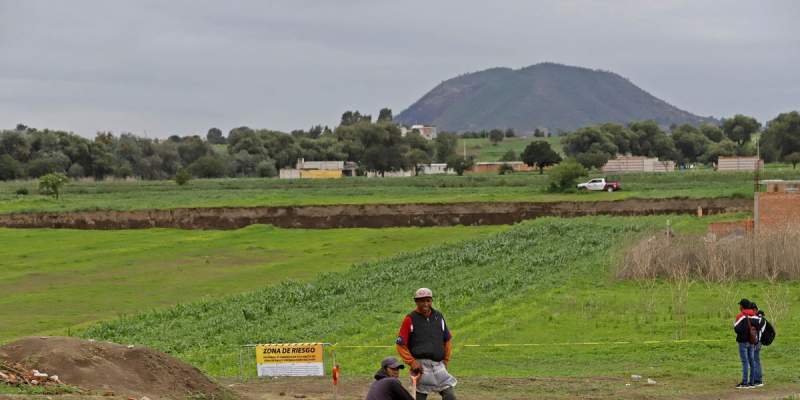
(106, 367)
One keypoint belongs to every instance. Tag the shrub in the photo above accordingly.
(509, 156)
(562, 177)
(182, 177)
(208, 167)
(22, 192)
(51, 184)
(76, 171)
(266, 169)
(505, 169)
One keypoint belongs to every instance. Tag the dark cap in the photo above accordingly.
(745, 303)
(753, 306)
(391, 362)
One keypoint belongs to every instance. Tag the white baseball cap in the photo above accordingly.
(422, 293)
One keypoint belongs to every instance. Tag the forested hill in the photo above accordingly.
(547, 95)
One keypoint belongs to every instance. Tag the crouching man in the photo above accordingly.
(387, 386)
(424, 344)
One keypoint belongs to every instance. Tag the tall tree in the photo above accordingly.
(590, 139)
(214, 136)
(784, 133)
(385, 115)
(740, 128)
(496, 136)
(539, 153)
(445, 145)
(690, 143)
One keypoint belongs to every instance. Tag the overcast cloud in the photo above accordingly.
(181, 67)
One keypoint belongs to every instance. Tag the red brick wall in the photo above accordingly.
(722, 229)
(778, 209)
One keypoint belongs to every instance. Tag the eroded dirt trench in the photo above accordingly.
(366, 215)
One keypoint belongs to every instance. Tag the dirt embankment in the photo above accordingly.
(111, 369)
(366, 215)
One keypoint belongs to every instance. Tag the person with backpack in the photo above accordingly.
(766, 334)
(757, 375)
(746, 327)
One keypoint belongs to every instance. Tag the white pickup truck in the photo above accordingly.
(600, 184)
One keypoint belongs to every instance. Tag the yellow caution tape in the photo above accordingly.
(674, 341)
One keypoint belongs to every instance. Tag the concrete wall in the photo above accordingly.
(624, 164)
(518, 166)
(738, 164)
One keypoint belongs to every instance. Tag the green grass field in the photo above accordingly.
(483, 150)
(249, 192)
(54, 280)
(544, 290)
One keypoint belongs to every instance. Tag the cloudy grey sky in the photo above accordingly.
(181, 67)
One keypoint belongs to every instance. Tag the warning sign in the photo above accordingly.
(290, 359)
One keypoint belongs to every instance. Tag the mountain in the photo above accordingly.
(546, 95)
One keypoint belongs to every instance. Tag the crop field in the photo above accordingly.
(249, 192)
(54, 280)
(544, 290)
(483, 150)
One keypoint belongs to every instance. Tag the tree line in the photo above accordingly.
(378, 146)
(593, 146)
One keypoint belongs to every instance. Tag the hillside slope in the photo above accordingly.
(547, 95)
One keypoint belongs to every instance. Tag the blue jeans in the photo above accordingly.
(748, 362)
(757, 377)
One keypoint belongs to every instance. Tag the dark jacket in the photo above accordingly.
(740, 325)
(387, 388)
(428, 337)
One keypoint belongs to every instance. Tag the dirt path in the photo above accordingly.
(366, 215)
(515, 388)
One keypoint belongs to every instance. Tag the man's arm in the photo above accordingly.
(448, 348)
(402, 343)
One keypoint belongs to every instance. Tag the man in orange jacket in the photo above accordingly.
(424, 344)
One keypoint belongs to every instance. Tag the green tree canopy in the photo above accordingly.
(459, 164)
(51, 184)
(385, 115)
(784, 133)
(214, 136)
(563, 176)
(496, 136)
(539, 154)
(740, 128)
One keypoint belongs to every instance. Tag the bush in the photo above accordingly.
(182, 177)
(208, 167)
(10, 168)
(76, 171)
(509, 156)
(562, 177)
(22, 192)
(266, 169)
(459, 164)
(505, 169)
(51, 184)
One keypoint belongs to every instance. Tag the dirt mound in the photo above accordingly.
(106, 367)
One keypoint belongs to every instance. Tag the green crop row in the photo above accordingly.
(545, 282)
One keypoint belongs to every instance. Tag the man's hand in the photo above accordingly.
(416, 368)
